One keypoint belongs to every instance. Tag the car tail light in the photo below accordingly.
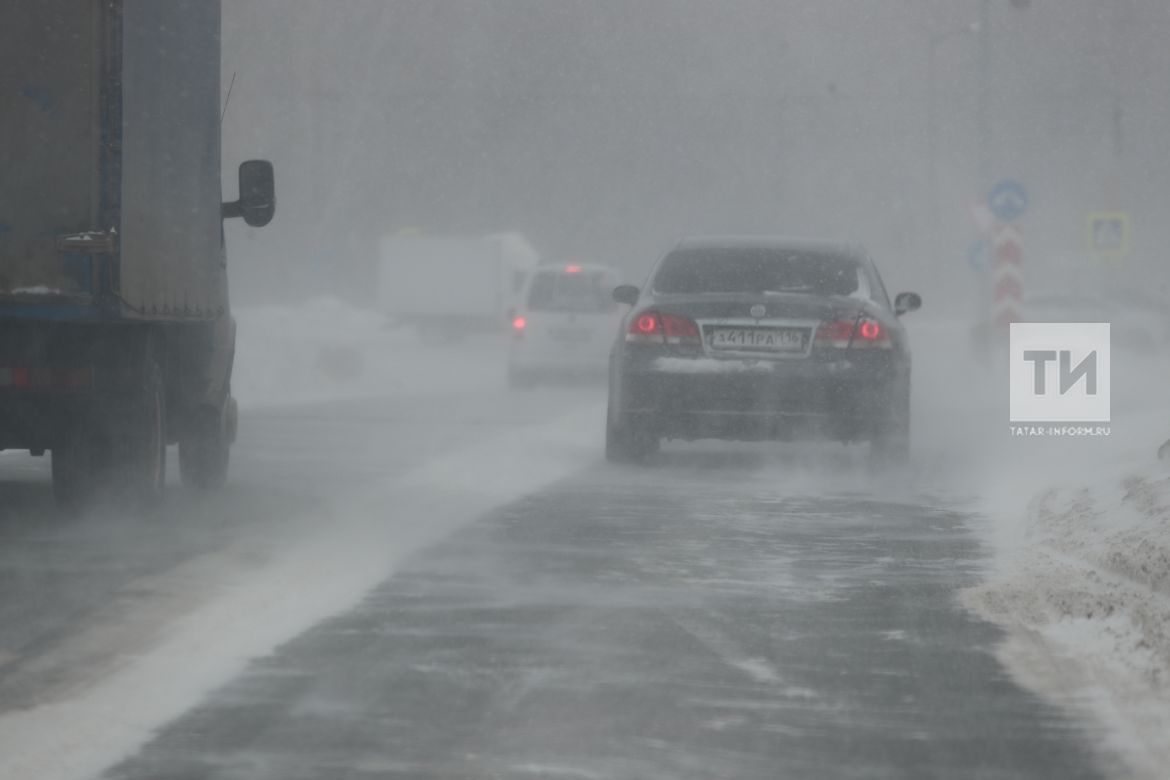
(646, 328)
(863, 333)
(651, 327)
(519, 324)
(871, 334)
(572, 269)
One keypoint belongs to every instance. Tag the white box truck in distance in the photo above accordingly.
(448, 287)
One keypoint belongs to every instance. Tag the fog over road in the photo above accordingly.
(724, 611)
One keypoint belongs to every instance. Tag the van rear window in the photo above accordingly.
(581, 292)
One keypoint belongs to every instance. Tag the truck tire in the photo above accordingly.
(73, 467)
(205, 451)
(141, 456)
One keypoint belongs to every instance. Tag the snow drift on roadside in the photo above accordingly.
(325, 349)
(1084, 591)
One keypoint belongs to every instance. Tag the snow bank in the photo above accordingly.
(326, 350)
(1081, 581)
(1079, 534)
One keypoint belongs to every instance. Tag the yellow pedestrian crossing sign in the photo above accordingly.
(1107, 234)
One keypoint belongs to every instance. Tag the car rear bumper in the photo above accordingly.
(696, 399)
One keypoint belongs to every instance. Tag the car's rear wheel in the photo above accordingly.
(626, 441)
(890, 445)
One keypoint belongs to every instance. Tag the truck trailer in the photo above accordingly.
(116, 334)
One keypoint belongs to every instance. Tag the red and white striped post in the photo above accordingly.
(1007, 276)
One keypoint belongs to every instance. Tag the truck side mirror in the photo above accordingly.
(257, 202)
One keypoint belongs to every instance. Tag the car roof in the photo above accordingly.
(790, 243)
(585, 267)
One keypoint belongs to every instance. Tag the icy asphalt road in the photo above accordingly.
(723, 612)
(685, 620)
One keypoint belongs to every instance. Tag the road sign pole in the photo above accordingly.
(1007, 277)
(1007, 202)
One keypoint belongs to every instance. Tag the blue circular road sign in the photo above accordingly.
(1008, 200)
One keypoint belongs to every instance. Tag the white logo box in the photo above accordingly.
(1073, 352)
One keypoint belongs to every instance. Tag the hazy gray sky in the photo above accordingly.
(603, 128)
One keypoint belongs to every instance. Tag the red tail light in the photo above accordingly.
(860, 334)
(871, 334)
(519, 323)
(646, 328)
(869, 330)
(651, 327)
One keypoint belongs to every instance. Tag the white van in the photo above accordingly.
(564, 325)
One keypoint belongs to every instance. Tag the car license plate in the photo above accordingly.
(757, 339)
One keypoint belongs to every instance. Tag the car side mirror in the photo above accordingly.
(626, 293)
(257, 203)
(907, 302)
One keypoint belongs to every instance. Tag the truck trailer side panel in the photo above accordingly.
(52, 63)
(172, 263)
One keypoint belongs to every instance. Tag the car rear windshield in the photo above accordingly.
(560, 291)
(758, 270)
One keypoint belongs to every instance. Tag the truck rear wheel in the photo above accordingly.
(143, 453)
(205, 451)
(74, 464)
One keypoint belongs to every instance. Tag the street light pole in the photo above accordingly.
(982, 118)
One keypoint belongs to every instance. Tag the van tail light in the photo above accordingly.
(862, 333)
(651, 327)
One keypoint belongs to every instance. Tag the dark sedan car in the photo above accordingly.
(760, 339)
